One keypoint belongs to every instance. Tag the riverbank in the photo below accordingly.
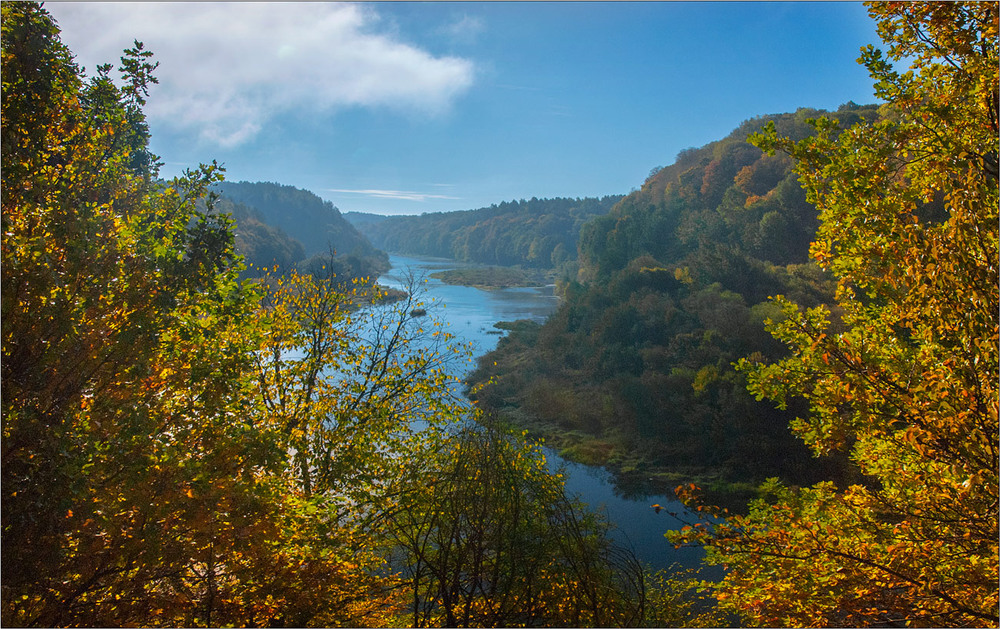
(633, 473)
(478, 317)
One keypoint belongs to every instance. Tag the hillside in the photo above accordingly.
(361, 220)
(272, 218)
(635, 369)
(262, 245)
(316, 223)
(538, 233)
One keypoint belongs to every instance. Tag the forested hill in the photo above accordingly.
(538, 233)
(272, 219)
(727, 196)
(261, 244)
(316, 223)
(185, 449)
(635, 369)
(362, 220)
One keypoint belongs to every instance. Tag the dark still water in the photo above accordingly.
(469, 314)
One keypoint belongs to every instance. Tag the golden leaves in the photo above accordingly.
(910, 385)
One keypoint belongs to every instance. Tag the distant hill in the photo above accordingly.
(724, 195)
(261, 245)
(361, 220)
(316, 223)
(271, 218)
(538, 233)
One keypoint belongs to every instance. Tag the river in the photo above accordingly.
(469, 314)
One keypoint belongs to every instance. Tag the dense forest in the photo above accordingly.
(636, 369)
(261, 244)
(538, 233)
(185, 446)
(288, 226)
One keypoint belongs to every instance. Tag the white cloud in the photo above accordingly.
(404, 195)
(227, 68)
(463, 30)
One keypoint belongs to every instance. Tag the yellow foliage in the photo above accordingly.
(906, 380)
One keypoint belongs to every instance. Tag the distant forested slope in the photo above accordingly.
(635, 369)
(284, 225)
(361, 220)
(538, 233)
(262, 245)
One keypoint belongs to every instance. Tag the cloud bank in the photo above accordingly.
(227, 69)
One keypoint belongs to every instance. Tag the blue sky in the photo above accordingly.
(404, 108)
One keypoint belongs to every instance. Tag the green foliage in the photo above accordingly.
(346, 268)
(903, 374)
(262, 246)
(538, 233)
(184, 449)
(647, 371)
(181, 448)
(726, 195)
(359, 392)
(121, 331)
(305, 218)
(165, 462)
(494, 541)
(639, 358)
(680, 598)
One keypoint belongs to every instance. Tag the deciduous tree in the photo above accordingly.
(902, 373)
(493, 540)
(153, 473)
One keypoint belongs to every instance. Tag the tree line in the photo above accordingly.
(183, 446)
(287, 226)
(537, 233)
(635, 369)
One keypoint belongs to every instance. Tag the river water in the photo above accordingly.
(469, 313)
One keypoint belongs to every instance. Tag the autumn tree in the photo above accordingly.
(902, 372)
(148, 476)
(181, 448)
(113, 286)
(361, 387)
(493, 540)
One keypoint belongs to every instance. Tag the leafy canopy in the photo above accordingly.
(902, 373)
(157, 468)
